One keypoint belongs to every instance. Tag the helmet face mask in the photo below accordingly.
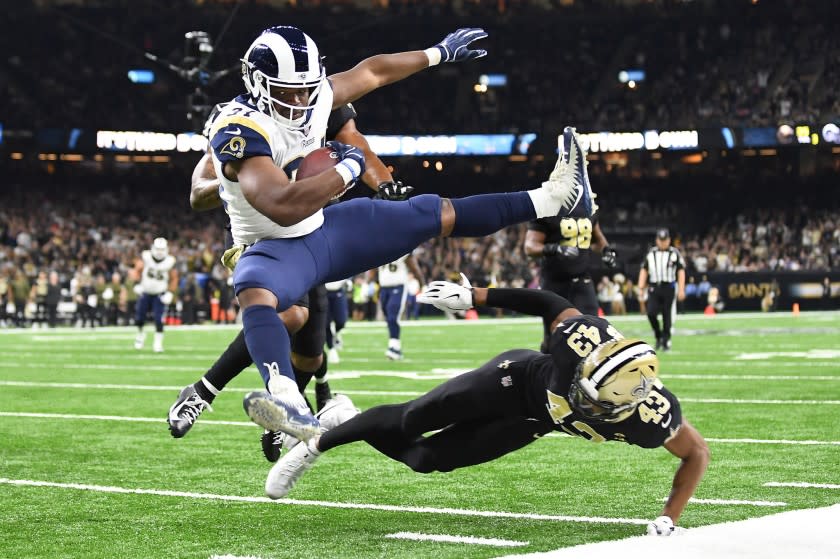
(160, 249)
(283, 74)
(613, 380)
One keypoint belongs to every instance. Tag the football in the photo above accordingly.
(316, 162)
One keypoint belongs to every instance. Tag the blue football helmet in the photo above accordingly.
(283, 57)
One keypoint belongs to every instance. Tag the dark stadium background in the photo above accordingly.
(757, 197)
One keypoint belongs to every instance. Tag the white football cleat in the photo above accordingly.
(289, 469)
(139, 341)
(337, 410)
(275, 413)
(568, 184)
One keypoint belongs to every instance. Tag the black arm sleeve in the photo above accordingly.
(536, 302)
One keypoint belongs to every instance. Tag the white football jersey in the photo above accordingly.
(155, 278)
(395, 273)
(241, 131)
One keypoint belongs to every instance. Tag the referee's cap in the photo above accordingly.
(663, 234)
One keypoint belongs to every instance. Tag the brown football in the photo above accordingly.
(316, 162)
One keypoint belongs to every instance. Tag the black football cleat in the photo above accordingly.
(185, 411)
(272, 445)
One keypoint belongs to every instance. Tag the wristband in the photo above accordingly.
(434, 55)
(346, 170)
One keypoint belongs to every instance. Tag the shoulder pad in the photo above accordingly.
(237, 137)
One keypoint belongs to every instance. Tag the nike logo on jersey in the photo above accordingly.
(236, 132)
(667, 421)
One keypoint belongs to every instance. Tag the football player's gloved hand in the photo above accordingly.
(455, 47)
(351, 162)
(393, 190)
(167, 298)
(554, 249)
(609, 257)
(662, 526)
(138, 289)
(448, 296)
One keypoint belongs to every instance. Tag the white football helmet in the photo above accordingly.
(283, 57)
(160, 249)
(613, 380)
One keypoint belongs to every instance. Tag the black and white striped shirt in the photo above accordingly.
(662, 265)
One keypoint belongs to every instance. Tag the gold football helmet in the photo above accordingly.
(613, 379)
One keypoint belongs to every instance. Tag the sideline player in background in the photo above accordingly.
(393, 278)
(662, 267)
(306, 322)
(564, 244)
(337, 313)
(594, 384)
(157, 281)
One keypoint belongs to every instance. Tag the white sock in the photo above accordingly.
(544, 204)
(159, 338)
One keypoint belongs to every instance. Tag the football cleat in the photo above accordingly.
(272, 444)
(288, 470)
(275, 414)
(336, 411)
(576, 157)
(394, 354)
(139, 340)
(322, 394)
(568, 183)
(185, 411)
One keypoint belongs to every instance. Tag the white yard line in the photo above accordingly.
(798, 534)
(737, 502)
(762, 402)
(326, 504)
(414, 536)
(802, 484)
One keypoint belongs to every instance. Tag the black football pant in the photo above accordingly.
(481, 415)
(660, 300)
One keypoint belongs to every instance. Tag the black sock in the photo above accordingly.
(302, 377)
(233, 361)
(381, 427)
(321, 372)
(204, 392)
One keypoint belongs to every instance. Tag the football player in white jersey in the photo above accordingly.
(157, 282)
(286, 242)
(392, 279)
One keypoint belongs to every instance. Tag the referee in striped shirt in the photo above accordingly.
(663, 265)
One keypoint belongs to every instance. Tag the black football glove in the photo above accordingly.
(555, 250)
(395, 191)
(609, 257)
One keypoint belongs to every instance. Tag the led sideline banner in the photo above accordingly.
(135, 141)
(745, 290)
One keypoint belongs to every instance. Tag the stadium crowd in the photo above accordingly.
(91, 237)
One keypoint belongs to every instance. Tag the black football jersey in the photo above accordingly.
(338, 118)
(569, 231)
(550, 376)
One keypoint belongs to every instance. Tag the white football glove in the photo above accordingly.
(662, 526)
(138, 289)
(167, 298)
(448, 296)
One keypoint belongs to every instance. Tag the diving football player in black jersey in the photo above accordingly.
(593, 383)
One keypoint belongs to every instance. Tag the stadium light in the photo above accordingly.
(141, 76)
